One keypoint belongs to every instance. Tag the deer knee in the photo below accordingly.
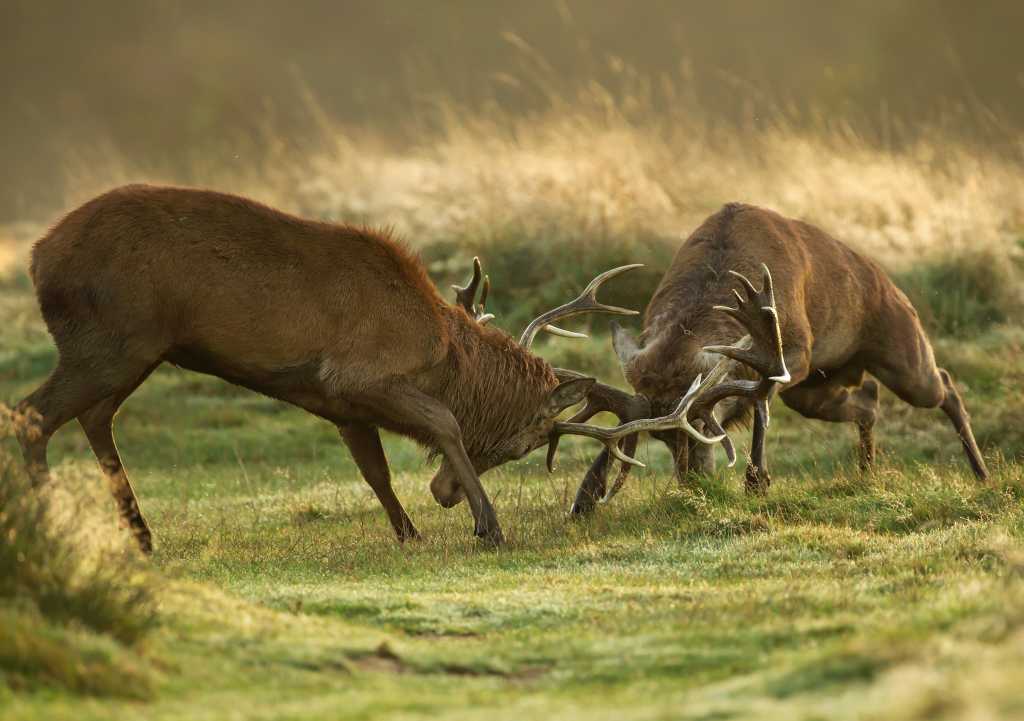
(950, 395)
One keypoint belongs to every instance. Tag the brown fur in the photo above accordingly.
(338, 320)
(839, 313)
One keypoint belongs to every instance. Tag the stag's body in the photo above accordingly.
(840, 318)
(340, 321)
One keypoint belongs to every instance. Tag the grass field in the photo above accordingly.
(277, 590)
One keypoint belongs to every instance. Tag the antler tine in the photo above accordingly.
(761, 349)
(479, 313)
(466, 295)
(601, 399)
(587, 302)
(610, 436)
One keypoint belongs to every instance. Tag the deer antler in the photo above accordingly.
(604, 399)
(610, 437)
(466, 295)
(586, 303)
(761, 349)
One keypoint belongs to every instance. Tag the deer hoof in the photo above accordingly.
(491, 536)
(145, 540)
(757, 480)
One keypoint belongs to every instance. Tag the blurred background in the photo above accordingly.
(171, 86)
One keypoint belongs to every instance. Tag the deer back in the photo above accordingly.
(246, 288)
(827, 295)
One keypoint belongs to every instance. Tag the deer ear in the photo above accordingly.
(567, 394)
(624, 344)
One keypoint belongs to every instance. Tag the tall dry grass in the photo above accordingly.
(617, 173)
(599, 160)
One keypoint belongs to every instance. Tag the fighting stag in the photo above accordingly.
(338, 320)
(840, 316)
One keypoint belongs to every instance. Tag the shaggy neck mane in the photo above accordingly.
(492, 386)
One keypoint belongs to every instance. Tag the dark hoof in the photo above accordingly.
(145, 540)
(757, 481)
(492, 537)
(409, 534)
(583, 507)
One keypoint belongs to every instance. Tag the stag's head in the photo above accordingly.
(666, 359)
(532, 394)
(749, 369)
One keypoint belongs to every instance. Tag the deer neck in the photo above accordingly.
(491, 384)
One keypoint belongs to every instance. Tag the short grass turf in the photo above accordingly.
(282, 593)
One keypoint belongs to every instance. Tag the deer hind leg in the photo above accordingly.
(364, 444)
(835, 401)
(98, 425)
(953, 406)
(915, 379)
(63, 396)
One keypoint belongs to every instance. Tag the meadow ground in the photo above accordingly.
(277, 591)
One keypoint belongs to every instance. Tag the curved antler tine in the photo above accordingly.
(465, 295)
(730, 451)
(553, 439)
(597, 282)
(485, 318)
(613, 448)
(735, 313)
(564, 333)
(484, 291)
(743, 355)
(747, 285)
(629, 446)
(586, 302)
(713, 425)
(767, 287)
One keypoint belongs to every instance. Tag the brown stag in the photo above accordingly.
(340, 321)
(841, 318)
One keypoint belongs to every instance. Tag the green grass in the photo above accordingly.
(280, 592)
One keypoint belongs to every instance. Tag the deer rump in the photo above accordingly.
(840, 317)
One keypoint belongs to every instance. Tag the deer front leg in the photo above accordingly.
(429, 418)
(757, 478)
(368, 453)
(593, 487)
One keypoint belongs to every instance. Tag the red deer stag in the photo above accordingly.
(840, 317)
(340, 321)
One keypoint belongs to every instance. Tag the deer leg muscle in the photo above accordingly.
(833, 401)
(913, 376)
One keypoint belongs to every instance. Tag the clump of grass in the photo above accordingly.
(966, 294)
(533, 270)
(69, 618)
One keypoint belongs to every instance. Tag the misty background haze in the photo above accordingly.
(173, 83)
